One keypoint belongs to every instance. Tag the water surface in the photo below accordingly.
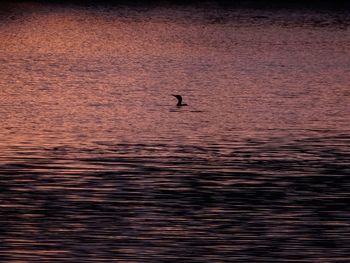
(97, 164)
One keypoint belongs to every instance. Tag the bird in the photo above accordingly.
(179, 100)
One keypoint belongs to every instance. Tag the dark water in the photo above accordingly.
(98, 165)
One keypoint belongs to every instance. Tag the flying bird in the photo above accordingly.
(179, 100)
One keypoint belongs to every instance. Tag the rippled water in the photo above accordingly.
(97, 164)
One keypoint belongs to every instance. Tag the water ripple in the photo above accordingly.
(162, 203)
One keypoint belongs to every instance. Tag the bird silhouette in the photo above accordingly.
(179, 100)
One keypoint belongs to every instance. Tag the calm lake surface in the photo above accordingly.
(97, 164)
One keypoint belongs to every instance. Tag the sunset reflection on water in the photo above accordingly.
(98, 164)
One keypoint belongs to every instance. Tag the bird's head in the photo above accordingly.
(177, 96)
(179, 100)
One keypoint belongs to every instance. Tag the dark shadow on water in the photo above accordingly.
(335, 5)
(163, 203)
